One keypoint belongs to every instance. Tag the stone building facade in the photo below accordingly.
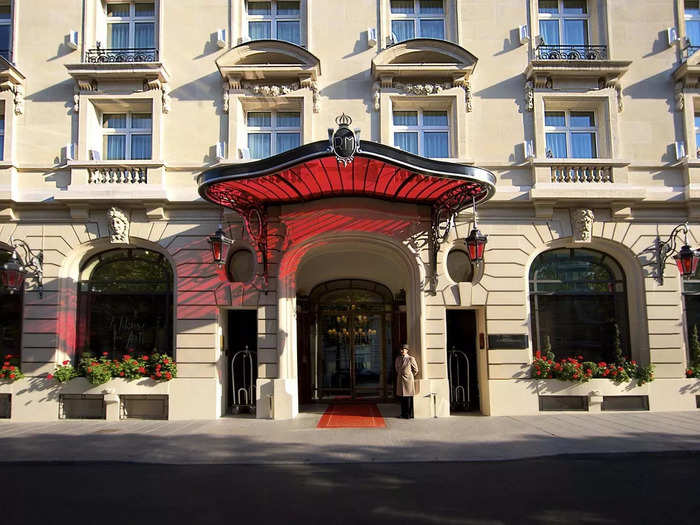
(584, 111)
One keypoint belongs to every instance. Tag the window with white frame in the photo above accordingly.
(272, 132)
(417, 19)
(571, 134)
(692, 22)
(422, 132)
(6, 31)
(127, 136)
(131, 25)
(563, 22)
(275, 20)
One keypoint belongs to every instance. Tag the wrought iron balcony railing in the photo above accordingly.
(690, 50)
(545, 52)
(106, 56)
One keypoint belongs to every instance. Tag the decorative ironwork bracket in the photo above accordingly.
(31, 263)
(665, 249)
(442, 219)
(255, 218)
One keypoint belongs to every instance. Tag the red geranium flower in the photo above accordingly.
(89, 369)
(158, 374)
(49, 376)
(127, 357)
(121, 374)
(105, 353)
(168, 375)
(65, 362)
(6, 363)
(142, 370)
(144, 357)
(12, 376)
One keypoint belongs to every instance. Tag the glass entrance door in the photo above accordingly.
(352, 344)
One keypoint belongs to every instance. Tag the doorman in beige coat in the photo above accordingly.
(406, 369)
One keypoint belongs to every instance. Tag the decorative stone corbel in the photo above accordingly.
(86, 85)
(311, 84)
(151, 84)
(118, 222)
(582, 224)
(76, 101)
(542, 82)
(377, 95)
(166, 99)
(234, 82)
(19, 100)
(529, 95)
(613, 84)
(227, 96)
(678, 95)
(18, 92)
(466, 86)
(387, 81)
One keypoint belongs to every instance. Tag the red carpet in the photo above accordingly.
(364, 415)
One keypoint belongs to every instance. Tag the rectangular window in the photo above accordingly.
(570, 134)
(422, 132)
(6, 32)
(417, 19)
(692, 22)
(127, 136)
(131, 25)
(563, 22)
(276, 20)
(697, 132)
(272, 132)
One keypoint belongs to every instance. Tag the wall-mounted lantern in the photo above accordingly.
(14, 271)
(219, 246)
(686, 258)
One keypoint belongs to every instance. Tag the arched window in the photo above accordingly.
(125, 303)
(10, 318)
(578, 301)
(691, 296)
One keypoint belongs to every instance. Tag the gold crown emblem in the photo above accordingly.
(343, 120)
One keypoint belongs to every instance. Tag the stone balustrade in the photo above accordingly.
(118, 175)
(583, 174)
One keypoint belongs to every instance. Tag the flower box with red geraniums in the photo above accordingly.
(10, 370)
(98, 371)
(575, 369)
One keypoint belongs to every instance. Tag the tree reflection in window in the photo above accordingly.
(577, 300)
(10, 317)
(125, 303)
(691, 296)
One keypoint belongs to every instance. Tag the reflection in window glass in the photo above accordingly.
(125, 304)
(10, 320)
(577, 300)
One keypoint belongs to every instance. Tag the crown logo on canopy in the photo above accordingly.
(343, 120)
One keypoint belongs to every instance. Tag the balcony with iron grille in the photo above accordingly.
(140, 66)
(591, 65)
(547, 52)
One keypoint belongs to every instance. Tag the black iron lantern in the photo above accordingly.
(686, 258)
(12, 274)
(687, 261)
(476, 243)
(219, 246)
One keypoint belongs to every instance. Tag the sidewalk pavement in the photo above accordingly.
(244, 440)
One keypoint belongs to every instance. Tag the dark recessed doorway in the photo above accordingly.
(242, 336)
(461, 360)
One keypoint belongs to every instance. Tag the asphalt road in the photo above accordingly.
(649, 488)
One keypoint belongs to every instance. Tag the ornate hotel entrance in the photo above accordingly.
(347, 341)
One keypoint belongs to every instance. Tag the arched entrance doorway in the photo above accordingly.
(349, 332)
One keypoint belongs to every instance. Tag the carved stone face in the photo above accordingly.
(582, 222)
